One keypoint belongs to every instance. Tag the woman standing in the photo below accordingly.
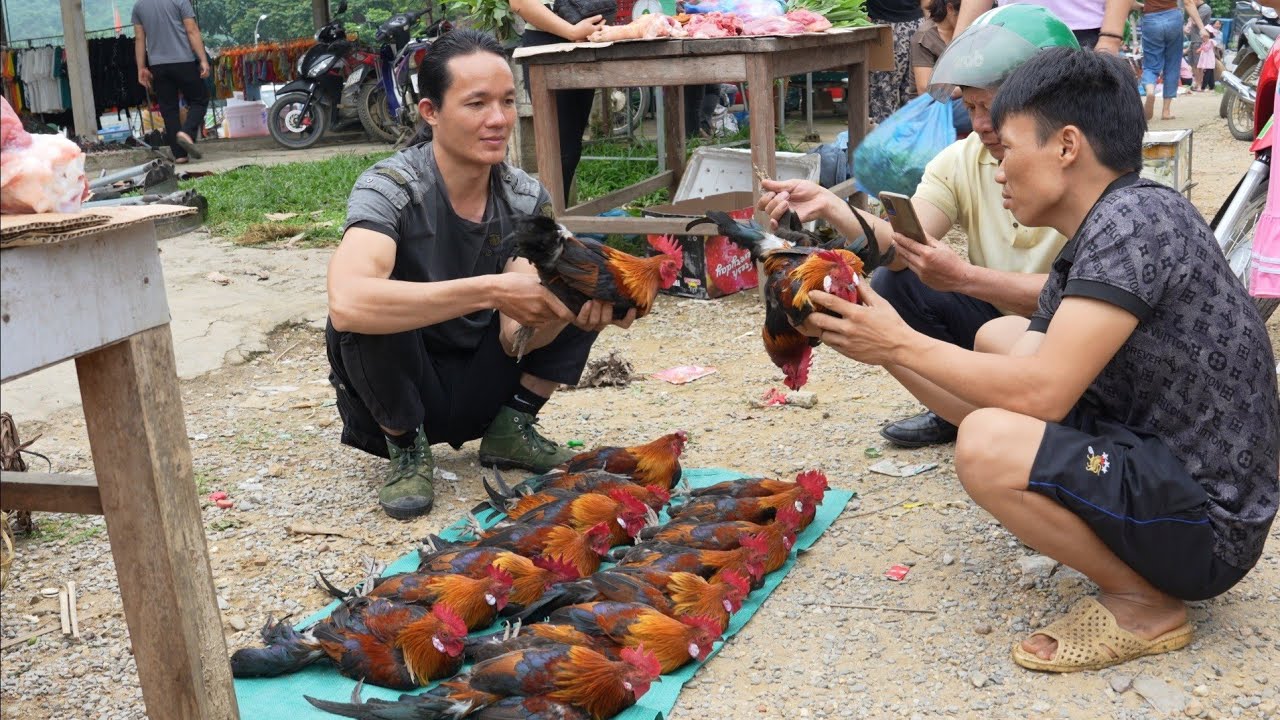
(1162, 50)
(927, 45)
(891, 89)
(573, 107)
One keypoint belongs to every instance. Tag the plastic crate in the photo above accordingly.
(244, 120)
(115, 133)
(712, 171)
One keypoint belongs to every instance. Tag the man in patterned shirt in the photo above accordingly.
(1132, 431)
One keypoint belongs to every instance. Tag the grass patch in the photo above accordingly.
(317, 191)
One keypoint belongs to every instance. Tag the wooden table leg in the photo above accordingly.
(546, 136)
(764, 147)
(857, 107)
(133, 412)
(673, 109)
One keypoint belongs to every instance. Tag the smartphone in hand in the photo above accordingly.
(902, 216)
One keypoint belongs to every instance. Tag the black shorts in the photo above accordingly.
(1139, 499)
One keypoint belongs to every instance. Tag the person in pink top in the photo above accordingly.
(1097, 24)
(1208, 62)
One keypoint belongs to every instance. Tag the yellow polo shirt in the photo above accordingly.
(961, 182)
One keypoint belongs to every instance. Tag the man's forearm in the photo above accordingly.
(1012, 291)
(139, 47)
(376, 306)
(1114, 16)
(969, 11)
(197, 45)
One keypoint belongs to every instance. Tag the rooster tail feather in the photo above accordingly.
(286, 651)
(323, 583)
(498, 500)
(869, 253)
(558, 596)
(520, 341)
(408, 707)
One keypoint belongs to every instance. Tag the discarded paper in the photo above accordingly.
(684, 374)
(893, 469)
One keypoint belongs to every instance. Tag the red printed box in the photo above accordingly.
(713, 266)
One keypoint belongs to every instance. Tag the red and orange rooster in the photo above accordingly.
(654, 463)
(553, 682)
(675, 642)
(386, 643)
(477, 600)
(577, 270)
(623, 513)
(581, 548)
(810, 488)
(532, 578)
(793, 270)
(678, 594)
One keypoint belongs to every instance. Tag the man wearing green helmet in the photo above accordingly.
(933, 288)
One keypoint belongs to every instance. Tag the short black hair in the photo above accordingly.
(1091, 90)
(937, 9)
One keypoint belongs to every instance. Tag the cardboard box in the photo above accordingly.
(713, 266)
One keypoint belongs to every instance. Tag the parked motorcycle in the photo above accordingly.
(1257, 36)
(319, 99)
(1236, 220)
(388, 100)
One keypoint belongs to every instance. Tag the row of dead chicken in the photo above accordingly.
(588, 641)
(795, 263)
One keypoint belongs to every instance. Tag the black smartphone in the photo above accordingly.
(902, 216)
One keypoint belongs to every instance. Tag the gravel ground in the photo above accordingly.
(265, 432)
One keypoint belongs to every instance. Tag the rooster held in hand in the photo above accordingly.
(792, 272)
(577, 270)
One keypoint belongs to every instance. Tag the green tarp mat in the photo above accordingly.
(281, 698)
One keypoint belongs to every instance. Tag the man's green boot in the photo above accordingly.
(513, 441)
(409, 490)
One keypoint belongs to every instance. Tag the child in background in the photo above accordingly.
(1208, 61)
(1187, 78)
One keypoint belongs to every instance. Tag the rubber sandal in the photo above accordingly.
(1089, 639)
(189, 146)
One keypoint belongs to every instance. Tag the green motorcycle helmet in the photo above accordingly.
(1000, 40)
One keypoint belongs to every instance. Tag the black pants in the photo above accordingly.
(398, 382)
(168, 80)
(573, 109)
(1208, 82)
(946, 316)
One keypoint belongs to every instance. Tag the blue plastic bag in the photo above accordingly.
(894, 155)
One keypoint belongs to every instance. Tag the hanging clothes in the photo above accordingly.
(249, 65)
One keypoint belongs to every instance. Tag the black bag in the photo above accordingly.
(575, 11)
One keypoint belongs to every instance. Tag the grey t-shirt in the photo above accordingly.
(1197, 372)
(161, 20)
(432, 242)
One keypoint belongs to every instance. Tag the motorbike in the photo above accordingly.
(388, 96)
(1236, 220)
(320, 99)
(1257, 36)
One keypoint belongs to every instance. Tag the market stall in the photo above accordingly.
(673, 63)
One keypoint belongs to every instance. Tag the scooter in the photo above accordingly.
(1236, 220)
(1256, 38)
(319, 99)
(388, 99)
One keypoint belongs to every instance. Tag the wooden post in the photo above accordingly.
(546, 133)
(320, 13)
(764, 146)
(83, 111)
(855, 101)
(138, 437)
(673, 110)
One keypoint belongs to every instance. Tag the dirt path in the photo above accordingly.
(264, 431)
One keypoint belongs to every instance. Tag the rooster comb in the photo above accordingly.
(667, 245)
(706, 623)
(562, 569)
(757, 544)
(679, 438)
(643, 660)
(789, 517)
(598, 530)
(813, 482)
(450, 618)
(661, 493)
(628, 501)
(737, 581)
(501, 578)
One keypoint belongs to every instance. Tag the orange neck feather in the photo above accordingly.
(639, 277)
(812, 272)
(694, 596)
(424, 662)
(465, 596)
(529, 580)
(594, 508)
(571, 546)
(655, 464)
(665, 637)
(777, 549)
(592, 682)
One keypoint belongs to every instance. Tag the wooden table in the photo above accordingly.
(672, 64)
(97, 295)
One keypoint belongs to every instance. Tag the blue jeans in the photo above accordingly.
(1162, 49)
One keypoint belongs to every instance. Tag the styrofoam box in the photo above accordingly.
(246, 120)
(712, 171)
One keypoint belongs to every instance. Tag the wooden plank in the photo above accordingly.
(673, 110)
(546, 137)
(799, 62)
(50, 492)
(705, 47)
(647, 72)
(621, 197)
(856, 105)
(83, 111)
(74, 612)
(634, 226)
(60, 300)
(844, 189)
(64, 611)
(764, 149)
(138, 437)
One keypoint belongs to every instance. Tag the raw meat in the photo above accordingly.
(38, 173)
(812, 21)
(645, 27)
(781, 25)
(714, 25)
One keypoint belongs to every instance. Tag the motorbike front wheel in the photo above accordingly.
(292, 128)
(374, 115)
(1239, 112)
(1239, 245)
